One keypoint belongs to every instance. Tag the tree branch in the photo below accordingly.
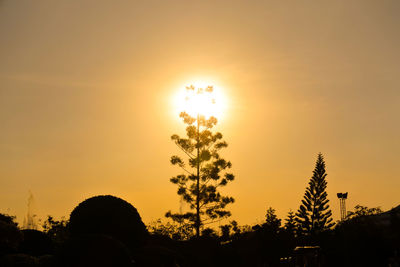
(183, 168)
(212, 221)
(190, 155)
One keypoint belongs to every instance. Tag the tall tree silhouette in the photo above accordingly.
(205, 171)
(314, 214)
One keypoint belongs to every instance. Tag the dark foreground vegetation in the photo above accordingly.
(108, 231)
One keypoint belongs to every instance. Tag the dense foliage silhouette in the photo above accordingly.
(111, 216)
(368, 239)
(95, 250)
(105, 231)
(10, 235)
(35, 243)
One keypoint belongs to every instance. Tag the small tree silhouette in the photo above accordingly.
(205, 171)
(290, 223)
(271, 221)
(314, 214)
(56, 230)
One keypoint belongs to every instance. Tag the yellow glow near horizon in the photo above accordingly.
(206, 103)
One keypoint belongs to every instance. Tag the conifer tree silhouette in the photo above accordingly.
(271, 220)
(290, 223)
(314, 214)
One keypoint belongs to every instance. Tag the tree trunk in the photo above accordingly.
(198, 181)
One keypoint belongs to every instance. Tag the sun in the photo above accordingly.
(200, 98)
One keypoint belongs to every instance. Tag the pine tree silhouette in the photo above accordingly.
(271, 221)
(290, 223)
(314, 214)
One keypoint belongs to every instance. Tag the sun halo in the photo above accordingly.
(205, 103)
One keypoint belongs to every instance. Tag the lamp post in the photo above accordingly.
(342, 199)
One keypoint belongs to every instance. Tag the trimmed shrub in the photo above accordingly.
(35, 243)
(95, 250)
(111, 216)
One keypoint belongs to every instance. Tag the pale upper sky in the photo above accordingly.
(86, 108)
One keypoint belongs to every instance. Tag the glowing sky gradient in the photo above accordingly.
(87, 87)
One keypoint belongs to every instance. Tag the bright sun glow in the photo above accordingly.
(207, 103)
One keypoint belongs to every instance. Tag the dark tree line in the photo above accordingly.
(106, 231)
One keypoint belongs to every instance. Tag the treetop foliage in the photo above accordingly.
(271, 220)
(360, 211)
(290, 223)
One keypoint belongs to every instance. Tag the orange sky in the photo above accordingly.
(86, 100)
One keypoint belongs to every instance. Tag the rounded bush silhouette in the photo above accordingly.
(95, 250)
(111, 216)
(35, 243)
